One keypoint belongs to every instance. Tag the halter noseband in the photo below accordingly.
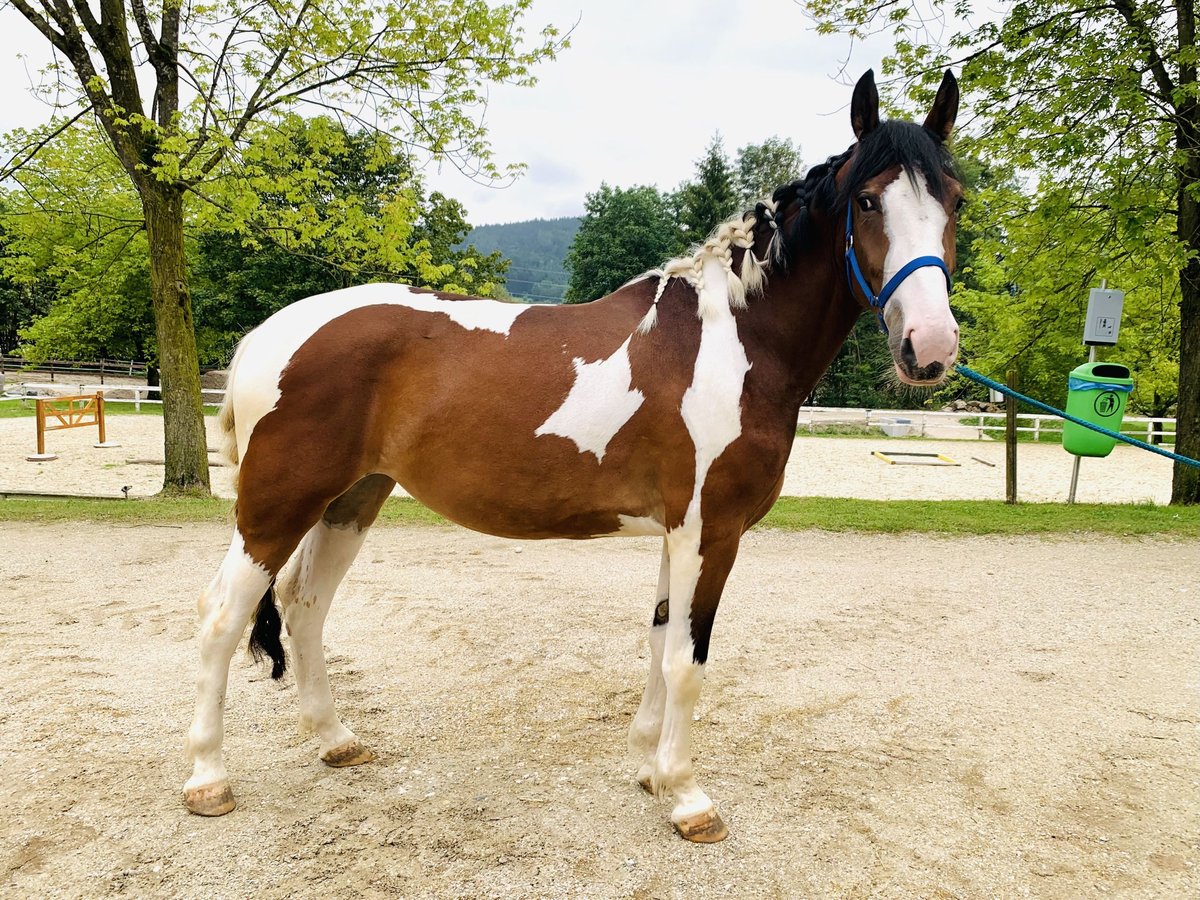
(854, 273)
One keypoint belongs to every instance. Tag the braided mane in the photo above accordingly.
(742, 231)
(916, 149)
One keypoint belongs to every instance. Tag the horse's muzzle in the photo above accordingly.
(911, 373)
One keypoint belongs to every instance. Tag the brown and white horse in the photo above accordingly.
(666, 408)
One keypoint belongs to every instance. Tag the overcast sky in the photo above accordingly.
(635, 100)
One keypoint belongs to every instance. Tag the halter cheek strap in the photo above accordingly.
(854, 272)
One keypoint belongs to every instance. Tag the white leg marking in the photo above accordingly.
(305, 589)
(646, 728)
(673, 774)
(225, 609)
(598, 405)
(712, 412)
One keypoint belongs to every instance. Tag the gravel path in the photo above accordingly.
(889, 717)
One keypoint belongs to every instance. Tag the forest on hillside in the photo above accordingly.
(537, 249)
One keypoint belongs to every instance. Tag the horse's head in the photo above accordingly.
(899, 201)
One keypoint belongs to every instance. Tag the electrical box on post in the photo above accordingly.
(1103, 317)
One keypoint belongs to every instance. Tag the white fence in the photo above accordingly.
(893, 422)
(967, 425)
(137, 394)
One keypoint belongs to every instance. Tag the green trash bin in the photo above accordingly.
(1097, 394)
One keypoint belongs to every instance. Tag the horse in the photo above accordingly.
(667, 408)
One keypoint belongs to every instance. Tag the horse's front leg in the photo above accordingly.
(647, 724)
(699, 566)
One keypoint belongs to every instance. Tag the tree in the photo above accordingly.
(1025, 292)
(74, 234)
(763, 167)
(177, 89)
(312, 208)
(20, 301)
(537, 250)
(624, 233)
(709, 200)
(1100, 103)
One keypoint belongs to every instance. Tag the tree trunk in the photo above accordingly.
(1185, 487)
(185, 449)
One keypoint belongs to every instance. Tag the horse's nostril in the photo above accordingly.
(908, 355)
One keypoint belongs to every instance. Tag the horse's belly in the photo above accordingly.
(486, 494)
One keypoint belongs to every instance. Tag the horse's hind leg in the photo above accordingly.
(278, 503)
(647, 724)
(305, 590)
(225, 608)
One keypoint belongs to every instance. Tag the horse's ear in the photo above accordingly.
(864, 106)
(945, 107)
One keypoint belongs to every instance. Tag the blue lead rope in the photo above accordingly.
(1045, 407)
(854, 273)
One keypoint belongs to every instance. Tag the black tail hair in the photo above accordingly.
(264, 636)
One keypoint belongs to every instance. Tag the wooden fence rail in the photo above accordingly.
(56, 367)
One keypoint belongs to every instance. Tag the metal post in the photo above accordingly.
(1010, 440)
(1075, 465)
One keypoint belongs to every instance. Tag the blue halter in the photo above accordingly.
(854, 273)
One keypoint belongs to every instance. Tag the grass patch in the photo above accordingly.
(980, 517)
(946, 517)
(172, 511)
(25, 409)
(839, 429)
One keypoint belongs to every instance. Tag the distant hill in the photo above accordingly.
(537, 249)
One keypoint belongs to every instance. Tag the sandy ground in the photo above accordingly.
(890, 717)
(833, 467)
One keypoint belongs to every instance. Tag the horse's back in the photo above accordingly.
(502, 416)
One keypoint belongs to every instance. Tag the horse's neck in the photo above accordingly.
(802, 319)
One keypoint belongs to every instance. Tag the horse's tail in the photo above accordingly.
(229, 446)
(265, 635)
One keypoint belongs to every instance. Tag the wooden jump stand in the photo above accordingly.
(78, 411)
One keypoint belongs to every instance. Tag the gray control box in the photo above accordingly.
(1103, 321)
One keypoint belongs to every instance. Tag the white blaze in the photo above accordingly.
(598, 405)
(915, 222)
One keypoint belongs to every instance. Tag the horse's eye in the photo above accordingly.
(959, 204)
(866, 202)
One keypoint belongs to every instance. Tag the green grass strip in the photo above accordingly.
(979, 517)
(946, 517)
(25, 409)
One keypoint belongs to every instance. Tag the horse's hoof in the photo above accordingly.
(210, 800)
(351, 753)
(647, 784)
(702, 828)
